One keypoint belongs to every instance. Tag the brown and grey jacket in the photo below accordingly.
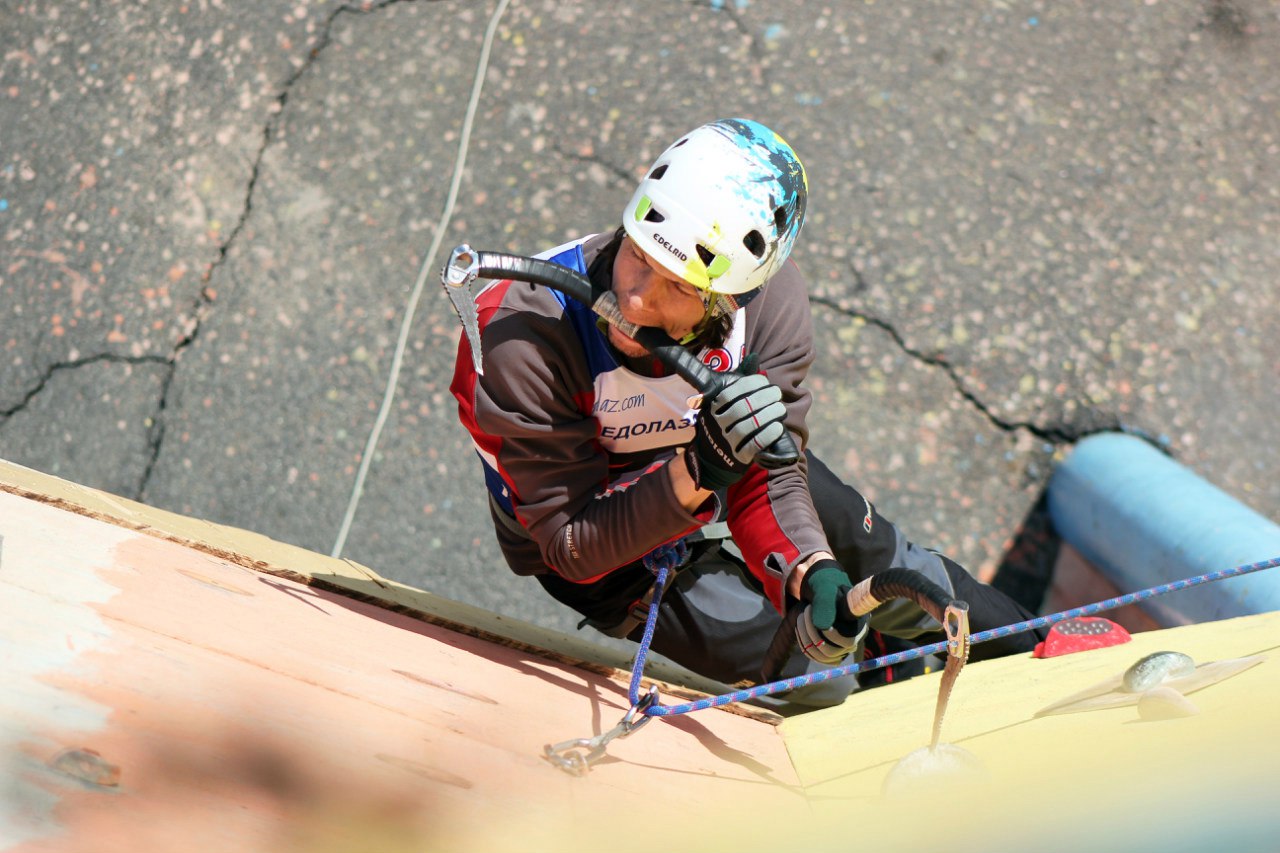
(574, 444)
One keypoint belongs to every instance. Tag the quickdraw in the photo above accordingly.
(576, 756)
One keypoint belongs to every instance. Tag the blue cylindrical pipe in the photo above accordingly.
(1144, 519)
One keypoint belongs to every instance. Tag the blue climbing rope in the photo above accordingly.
(637, 669)
(659, 710)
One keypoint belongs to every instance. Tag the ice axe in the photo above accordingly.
(950, 613)
(466, 264)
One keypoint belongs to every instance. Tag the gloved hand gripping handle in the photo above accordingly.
(467, 264)
(862, 599)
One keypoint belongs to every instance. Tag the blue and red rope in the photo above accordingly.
(659, 710)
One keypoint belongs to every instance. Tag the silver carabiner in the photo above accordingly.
(576, 756)
(646, 702)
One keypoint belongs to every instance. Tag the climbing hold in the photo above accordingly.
(1081, 634)
(1156, 668)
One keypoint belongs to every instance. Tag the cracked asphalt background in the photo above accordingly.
(1028, 221)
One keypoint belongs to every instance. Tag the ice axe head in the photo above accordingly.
(457, 277)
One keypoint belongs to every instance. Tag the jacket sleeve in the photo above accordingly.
(532, 409)
(771, 513)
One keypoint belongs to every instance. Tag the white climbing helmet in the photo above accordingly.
(721, 209)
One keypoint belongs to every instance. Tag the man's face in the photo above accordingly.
(648, 295)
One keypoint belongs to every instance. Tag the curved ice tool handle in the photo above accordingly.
(466, 264)
(864, 597)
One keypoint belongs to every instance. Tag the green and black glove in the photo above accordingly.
(827, 630)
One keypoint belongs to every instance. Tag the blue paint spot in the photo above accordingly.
(717, 4)
(774, 31)
(741, 4)
(591, 90)
(780, 168)
(4, 204)
(1033, 21)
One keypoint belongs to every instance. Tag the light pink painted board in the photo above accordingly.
(252, 712)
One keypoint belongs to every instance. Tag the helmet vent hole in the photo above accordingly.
(654, 216)
(656, 174)
(780, 219)
(706, 255)
(754, 241)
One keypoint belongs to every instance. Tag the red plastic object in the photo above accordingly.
(1079, 635)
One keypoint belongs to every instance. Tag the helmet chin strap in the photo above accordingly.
(711, 302)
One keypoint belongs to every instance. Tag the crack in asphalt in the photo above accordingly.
(623, 178)
(75, 364)
(205, 299)
(754, 46)
(1225, 20)
(1060, 434)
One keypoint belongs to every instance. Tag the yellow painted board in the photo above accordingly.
(1064, 773)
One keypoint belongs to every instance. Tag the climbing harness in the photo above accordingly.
(674, 555)
(956, 646)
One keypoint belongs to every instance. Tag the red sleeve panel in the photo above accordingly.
(771, 513)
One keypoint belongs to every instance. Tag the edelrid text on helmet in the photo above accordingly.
(666, 244)
(729, 198)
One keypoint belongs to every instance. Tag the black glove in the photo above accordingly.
(737, 422)
(827, 631)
